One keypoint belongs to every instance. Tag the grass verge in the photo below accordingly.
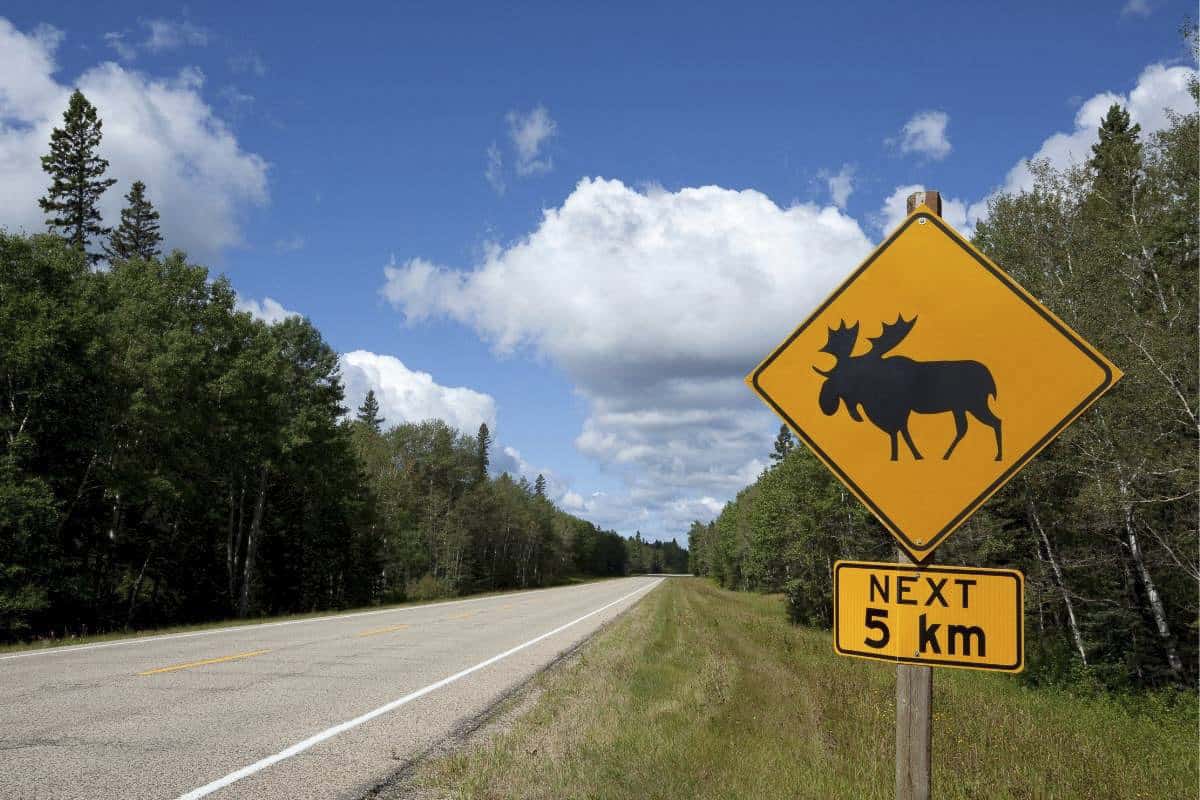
(702, 693)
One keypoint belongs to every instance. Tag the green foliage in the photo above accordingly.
(368, 412)
(76, 176)
(137, 236)
(784, 442)
(167, 459)
(430, 588)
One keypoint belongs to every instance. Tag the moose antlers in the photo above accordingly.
(843, 338)
(892, 335)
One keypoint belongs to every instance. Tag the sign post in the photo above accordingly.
(929, 345)
(914, 684)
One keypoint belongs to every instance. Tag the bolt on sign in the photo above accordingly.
(965, 617)
(928, 379)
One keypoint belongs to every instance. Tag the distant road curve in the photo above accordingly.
(324, 707)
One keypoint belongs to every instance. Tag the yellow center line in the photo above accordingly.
(205, 662)
(463, 616)
(388, 629)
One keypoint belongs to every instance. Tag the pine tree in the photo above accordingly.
(1116, 163)
(483, 443)
(137, 236)
(539, 486)
(783, 444)
(76, 172)
(368, 412)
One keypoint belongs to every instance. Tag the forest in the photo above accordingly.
(169, 459)
(1104, 522)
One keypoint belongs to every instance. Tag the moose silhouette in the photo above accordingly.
(891, 389)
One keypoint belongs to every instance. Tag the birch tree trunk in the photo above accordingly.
(1143, 572)
(137, 588)
(1060, 583)
(252, 542)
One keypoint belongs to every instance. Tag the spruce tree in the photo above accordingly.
(483, 443)
(76, 171)
(137, 236)
(1116, 163)
(539, 486)
(368, 412)
(783, 444)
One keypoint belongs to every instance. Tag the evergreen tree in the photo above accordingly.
(783, 444)
(368, 412)
(483, 443)
(76, 171)
(1116, 163)
(137, 236)
(539, 486)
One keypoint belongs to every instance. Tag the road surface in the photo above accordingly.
(319, 708)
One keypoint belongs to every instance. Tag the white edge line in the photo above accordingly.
(54, 651)
(329, 733)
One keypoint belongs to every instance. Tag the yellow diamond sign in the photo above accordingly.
(928, 379)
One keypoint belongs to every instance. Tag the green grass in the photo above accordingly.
(72, 641)
(702, 693)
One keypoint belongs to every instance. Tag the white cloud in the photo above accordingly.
(269, 310)
(494, 172)
(165, 34)
(841, 184)
(406, 395)
(158, 130)
(656, 304)
(116, 40)
(1140, 8)
(925, 134)
(529, 131)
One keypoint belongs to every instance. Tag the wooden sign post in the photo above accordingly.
(914, 685)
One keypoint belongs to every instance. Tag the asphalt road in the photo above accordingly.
(317, 708)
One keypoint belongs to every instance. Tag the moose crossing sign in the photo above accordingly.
(928, 379)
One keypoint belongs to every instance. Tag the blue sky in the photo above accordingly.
(302, 151)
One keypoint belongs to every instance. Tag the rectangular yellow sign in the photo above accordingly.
(966, 617)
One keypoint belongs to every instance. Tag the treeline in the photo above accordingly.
(1104, 522)
(654, 557)
(168, 459)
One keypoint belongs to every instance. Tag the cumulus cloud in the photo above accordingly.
(656, 304)
(269, 310)
(841, 184)
(529, 131)
(925, 134)
(407, 395)
(157, 130)
(125, 50)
